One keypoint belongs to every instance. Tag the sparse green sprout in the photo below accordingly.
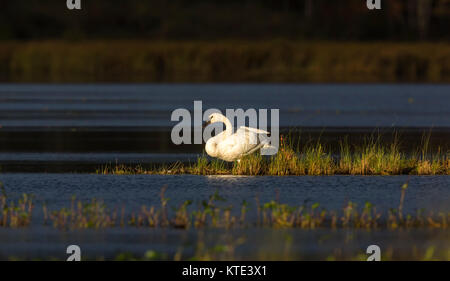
(95, 214)
(405, 186)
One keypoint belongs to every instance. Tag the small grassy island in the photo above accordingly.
(373, 157)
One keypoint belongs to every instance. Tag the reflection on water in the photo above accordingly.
(239, 244)
(151, 105)
(97, 157)
(332, 192)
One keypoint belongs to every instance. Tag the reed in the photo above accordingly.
(15, 213)
(79, 215)
(206, 167)
(431, 163)
(373, 158)
(252, 165)
(120, 169)
(212, 213)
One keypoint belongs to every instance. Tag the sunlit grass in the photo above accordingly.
(372, 158)
(120, 169)
(431, 164)
(252, 164)
(204, 167)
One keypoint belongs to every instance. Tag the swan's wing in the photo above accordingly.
(254, 130)
(238, 144)
(259, 146)
(260, 139)
(253, 135)
(245, 141)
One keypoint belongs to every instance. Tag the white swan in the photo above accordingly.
(230, 147)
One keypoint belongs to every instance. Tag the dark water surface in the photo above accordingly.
(248, 244)
(149, 105)
(49, 129)
(332, 192)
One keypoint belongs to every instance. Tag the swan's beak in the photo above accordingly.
(205, 124)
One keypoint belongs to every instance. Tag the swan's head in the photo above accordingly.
(214, 118)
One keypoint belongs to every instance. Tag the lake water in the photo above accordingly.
(53, 137)
(430, 193)
(257, 244)
(151, 105)
(133, 191)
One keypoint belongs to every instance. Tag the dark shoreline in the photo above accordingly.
(157, 139)
(137, 61)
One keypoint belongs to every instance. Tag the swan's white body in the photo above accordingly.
(230, 147)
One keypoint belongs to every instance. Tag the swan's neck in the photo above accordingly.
(211, 144)
(228, 126)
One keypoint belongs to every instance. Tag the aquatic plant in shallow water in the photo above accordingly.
(214, 213)
(15, 213)
(79, 215)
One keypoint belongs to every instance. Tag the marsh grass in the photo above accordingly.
(206, 167)
(431, 163)
(373, 157)
(120, 169)
(215, 213)
(79, 215)
(15, 213)
(253, 164)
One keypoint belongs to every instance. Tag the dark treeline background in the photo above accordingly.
(319, 41)
(220, 19)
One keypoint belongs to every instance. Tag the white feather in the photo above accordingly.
(230, 147)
